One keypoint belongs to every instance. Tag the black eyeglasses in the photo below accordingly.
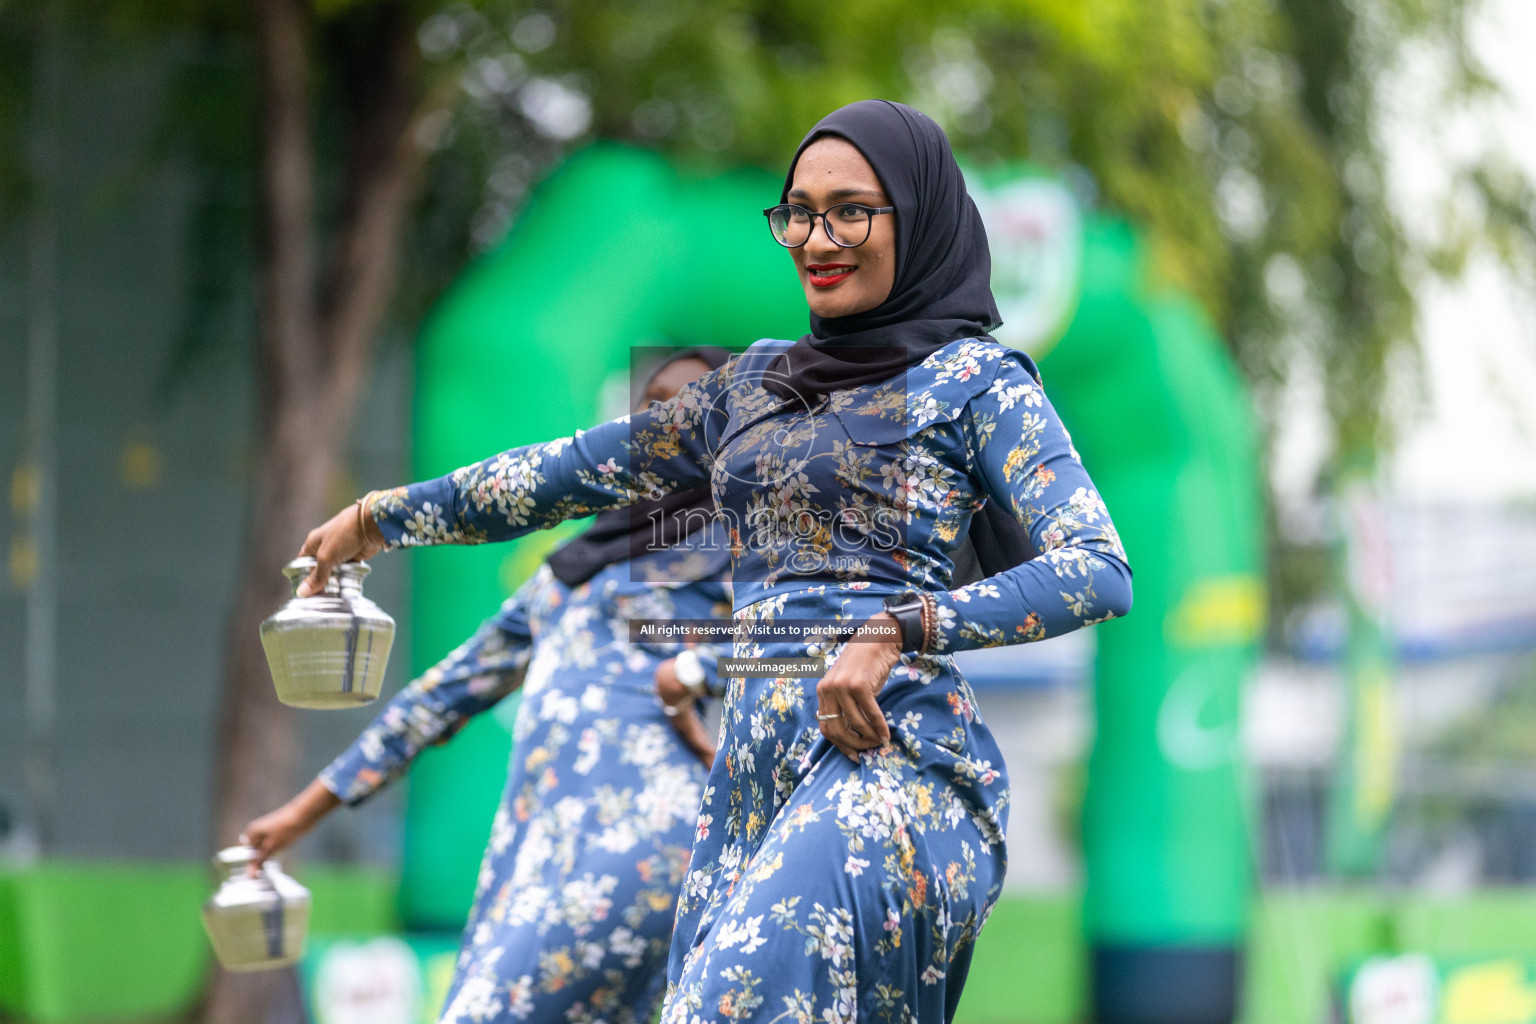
(847, 224)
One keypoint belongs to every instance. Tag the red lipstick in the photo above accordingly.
(825, 275)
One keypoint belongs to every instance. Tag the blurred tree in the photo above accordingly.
(331, 108)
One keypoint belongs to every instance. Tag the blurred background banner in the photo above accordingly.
(1365, 783)
(1273, 257)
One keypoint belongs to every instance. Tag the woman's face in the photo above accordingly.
(670, 379)
(839, 281)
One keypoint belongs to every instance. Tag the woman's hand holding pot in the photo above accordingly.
(288, 824)
(350, 535)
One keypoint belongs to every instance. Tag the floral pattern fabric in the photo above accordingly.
(821, 889)
(573, 910)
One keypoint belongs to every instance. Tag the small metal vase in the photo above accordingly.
(258, 923)
(330, 650)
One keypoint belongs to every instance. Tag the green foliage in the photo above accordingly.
(1507, 201)
(1244, 135)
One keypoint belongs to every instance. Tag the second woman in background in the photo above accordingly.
(573, 910)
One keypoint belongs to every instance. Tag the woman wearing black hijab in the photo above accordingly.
(851, 839)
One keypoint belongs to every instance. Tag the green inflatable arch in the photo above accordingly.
(619, 249)
(1158, 413)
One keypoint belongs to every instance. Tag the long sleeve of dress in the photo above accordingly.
(709, 653)
(430, 710)
(1080, 576)
(524, 489)
(709, 660)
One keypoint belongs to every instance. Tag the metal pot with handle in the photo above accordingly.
(255, 923)
(330, 650)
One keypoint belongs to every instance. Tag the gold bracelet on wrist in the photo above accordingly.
(930, 621)
(364, 515)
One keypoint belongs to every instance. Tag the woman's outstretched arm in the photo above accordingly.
(643, 455)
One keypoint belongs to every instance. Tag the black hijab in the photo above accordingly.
(621, 534)
(942, 289)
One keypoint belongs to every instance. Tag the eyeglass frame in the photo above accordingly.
(869, 224)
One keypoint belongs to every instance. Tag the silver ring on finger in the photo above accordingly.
(827, 718)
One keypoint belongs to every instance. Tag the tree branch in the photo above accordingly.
(383, 161)
(287, 199)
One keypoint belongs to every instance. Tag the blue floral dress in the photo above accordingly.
(821, 889)
(573, 911)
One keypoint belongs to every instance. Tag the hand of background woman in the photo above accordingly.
(683, 712)
(340, 539)
(848, 711)
(289, 823)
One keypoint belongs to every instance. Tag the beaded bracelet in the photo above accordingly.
(930, 620)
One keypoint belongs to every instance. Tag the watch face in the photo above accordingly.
(689, 671)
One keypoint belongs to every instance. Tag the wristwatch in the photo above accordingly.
(690, 672)
(907, 609)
